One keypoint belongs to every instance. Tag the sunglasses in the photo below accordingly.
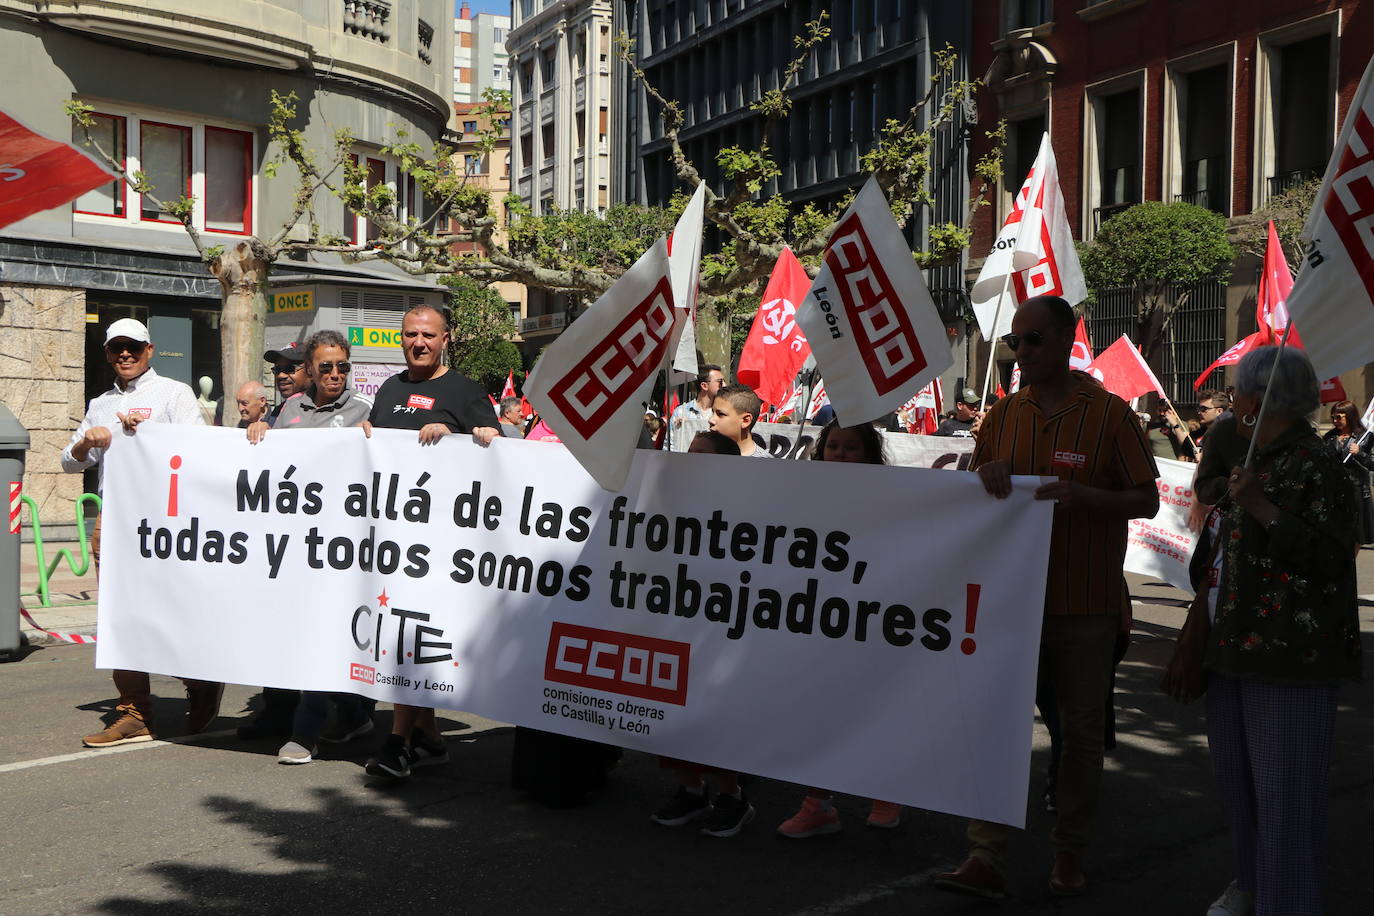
(1014, 341)
(286, 369)
(136, 347)
(327, 368)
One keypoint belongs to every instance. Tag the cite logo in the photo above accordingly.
(625, 663)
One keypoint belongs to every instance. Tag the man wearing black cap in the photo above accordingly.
(288, 370)
(965, 413)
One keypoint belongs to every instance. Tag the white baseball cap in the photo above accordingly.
(128, 327)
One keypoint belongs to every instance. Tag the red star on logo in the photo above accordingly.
(382, 599)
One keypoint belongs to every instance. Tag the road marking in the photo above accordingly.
(107, 751)
(869, 894)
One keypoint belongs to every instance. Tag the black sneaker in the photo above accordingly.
(347, 731)
(728, 815)
(424, 752)
(264, 727)
(392, 760)
(684, 806)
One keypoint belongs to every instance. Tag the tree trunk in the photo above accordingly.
(242, 272)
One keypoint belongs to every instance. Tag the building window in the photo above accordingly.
(469, 127)
(526, 151)
(548, 60)
(526, 78)
(498, 36)
(228, 180)
(382, 171)
(1295, 114)
(108, 131)
(1112, 170)
(1027, 14)
(1204, 99)
(210, 164)
(165, 157)
(1302, 112)
(548, 142)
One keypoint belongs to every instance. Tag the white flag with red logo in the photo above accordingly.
(1123, 371)
(508, 390)
(818, 400)
(591, 384)
(1016, 379)
(1035, 247)
(684, 260)
(776, 348)
(1332, 302)
(921, 414)
(38, 173)
(1231, 356)
(1081, 357)
(870, 320)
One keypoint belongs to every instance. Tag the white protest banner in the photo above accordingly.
(869, 318)
(1163, 545)
(591, 384)
(791, 440)
(682, 616)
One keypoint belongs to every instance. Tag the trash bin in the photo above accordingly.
(14, 444)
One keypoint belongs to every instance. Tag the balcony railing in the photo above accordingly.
(1289, 180)
(1102, 214)
(368, 19)
(426, 36)
(1210, 199)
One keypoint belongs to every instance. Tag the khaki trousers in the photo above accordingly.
(1076, 655)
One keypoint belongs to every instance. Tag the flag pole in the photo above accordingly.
(1191, 441)
(806, 405)
(992, 343)
(1264, 402)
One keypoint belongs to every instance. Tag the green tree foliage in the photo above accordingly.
(1160, 250)
(480, 331)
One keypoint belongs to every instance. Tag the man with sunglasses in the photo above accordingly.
(288, 372)
(326, 403)
(139, 396)
(1062, 425)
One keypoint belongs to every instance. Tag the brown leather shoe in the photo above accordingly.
(1066, 878)
(974, 877)
(127, 729)
(203, 699)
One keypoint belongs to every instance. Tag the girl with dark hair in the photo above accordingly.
(1350, 441)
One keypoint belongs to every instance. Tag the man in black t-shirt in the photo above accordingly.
(431, 398)
(965, 412)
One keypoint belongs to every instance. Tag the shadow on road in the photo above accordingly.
(457, 839)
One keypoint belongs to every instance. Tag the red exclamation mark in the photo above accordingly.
(172, 488)
(968, 646)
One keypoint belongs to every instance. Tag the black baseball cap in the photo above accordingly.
(287, 354)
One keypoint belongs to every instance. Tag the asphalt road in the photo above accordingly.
(214, 823)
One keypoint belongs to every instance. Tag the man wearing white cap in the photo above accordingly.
(139, 395)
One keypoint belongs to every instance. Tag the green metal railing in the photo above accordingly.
(45, 567)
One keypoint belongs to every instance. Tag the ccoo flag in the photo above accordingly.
(1332, 302)
(1035, 247)
(869, 318)
(776, 348)
(591, 384)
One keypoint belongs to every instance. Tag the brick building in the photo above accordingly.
(1218, 103)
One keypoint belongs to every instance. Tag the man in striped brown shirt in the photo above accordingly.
(1062, 425)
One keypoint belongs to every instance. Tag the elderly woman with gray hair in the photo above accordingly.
(1285, 633)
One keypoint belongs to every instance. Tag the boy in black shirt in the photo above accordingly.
(431, 398)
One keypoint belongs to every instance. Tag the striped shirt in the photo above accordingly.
(156, 398)
(1096, 440)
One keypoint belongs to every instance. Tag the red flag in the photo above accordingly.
(999, 392)
(1231, 356)
(509, 390)
(1123, 371)
(1082, 355)
(493, 401)
(526, 411)
(37, 173)
(776, 348)
(1333, 391)
(1271, 302)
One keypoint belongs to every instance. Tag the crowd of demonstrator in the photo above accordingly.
(1272, 633)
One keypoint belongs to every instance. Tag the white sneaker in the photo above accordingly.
(1232, 902)
(294, 752)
